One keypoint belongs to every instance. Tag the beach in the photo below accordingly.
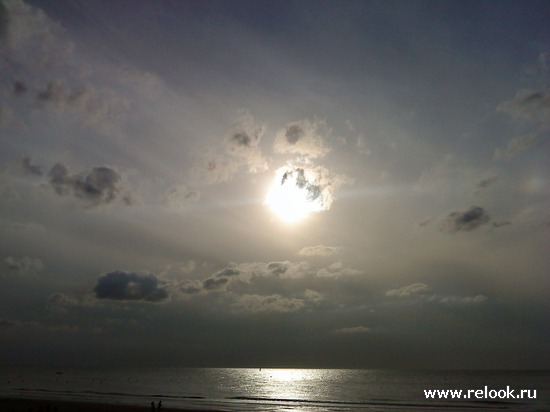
(252, 389)
(49, 405)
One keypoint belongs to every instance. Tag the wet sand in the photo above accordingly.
(49, 405)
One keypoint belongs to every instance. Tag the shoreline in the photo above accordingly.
(18, 404)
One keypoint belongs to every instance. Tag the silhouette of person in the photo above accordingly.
(159, 406)
(152, 406)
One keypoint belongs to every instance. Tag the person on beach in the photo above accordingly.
(152, 406)
(159, 406)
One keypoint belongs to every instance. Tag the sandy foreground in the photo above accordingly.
(49, 405)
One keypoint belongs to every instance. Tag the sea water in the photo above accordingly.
(260, 389)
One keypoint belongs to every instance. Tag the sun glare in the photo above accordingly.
(289, 198)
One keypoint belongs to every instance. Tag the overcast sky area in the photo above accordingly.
(139, 141)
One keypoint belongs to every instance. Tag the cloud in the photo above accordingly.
(268, 304)
(501, 223)
(120, 285)
(218, 281)
(189, 287)
(446, 175)
(38, 61)
(214, 283)
(62, 299)
(29, 168)
(419, 292)
(485, 183)
(319, 250)
(465, 221)
(241, 151)
(516, 146)
(19, 88)
(24, 265)
(243, 143)
(409, 290)
(31, 39)
(314, 183)
(98, 106)
(58, 302)
(457, 300)
(277, 268)
(303, 137)
(337, 270)
(99, 186)
(355, 330)
(212, 168)
(528, 104)
(177, 196)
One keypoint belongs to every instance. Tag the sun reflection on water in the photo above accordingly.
(289, 375)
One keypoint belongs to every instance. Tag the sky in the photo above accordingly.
(275, 183)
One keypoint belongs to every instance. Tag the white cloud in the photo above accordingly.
(516, 146)
(24, 265)
(419, 292)
(241, 151)
(528, 104)
(409, 290)
(271, 303)
(319, 250)
(243, 144)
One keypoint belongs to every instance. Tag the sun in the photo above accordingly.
(291, 196)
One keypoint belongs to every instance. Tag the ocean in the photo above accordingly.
(308, 390)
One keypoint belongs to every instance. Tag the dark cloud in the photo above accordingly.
(241, 151)
(243, 143)
(189, 288)
(277, 268)
(501, 224)
(19, 88)
(316, 187)
(304, 137)
(220, 278)
(120, 285)
(98, 186)
(485, 183)
(56, 92)
(96, 106)
(293, 133)
(214, 283)
(227, 272)
(241, 139)
(217, 281)
(29, 168)
(466, 221)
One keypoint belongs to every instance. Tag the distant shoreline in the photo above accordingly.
(64, 405)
